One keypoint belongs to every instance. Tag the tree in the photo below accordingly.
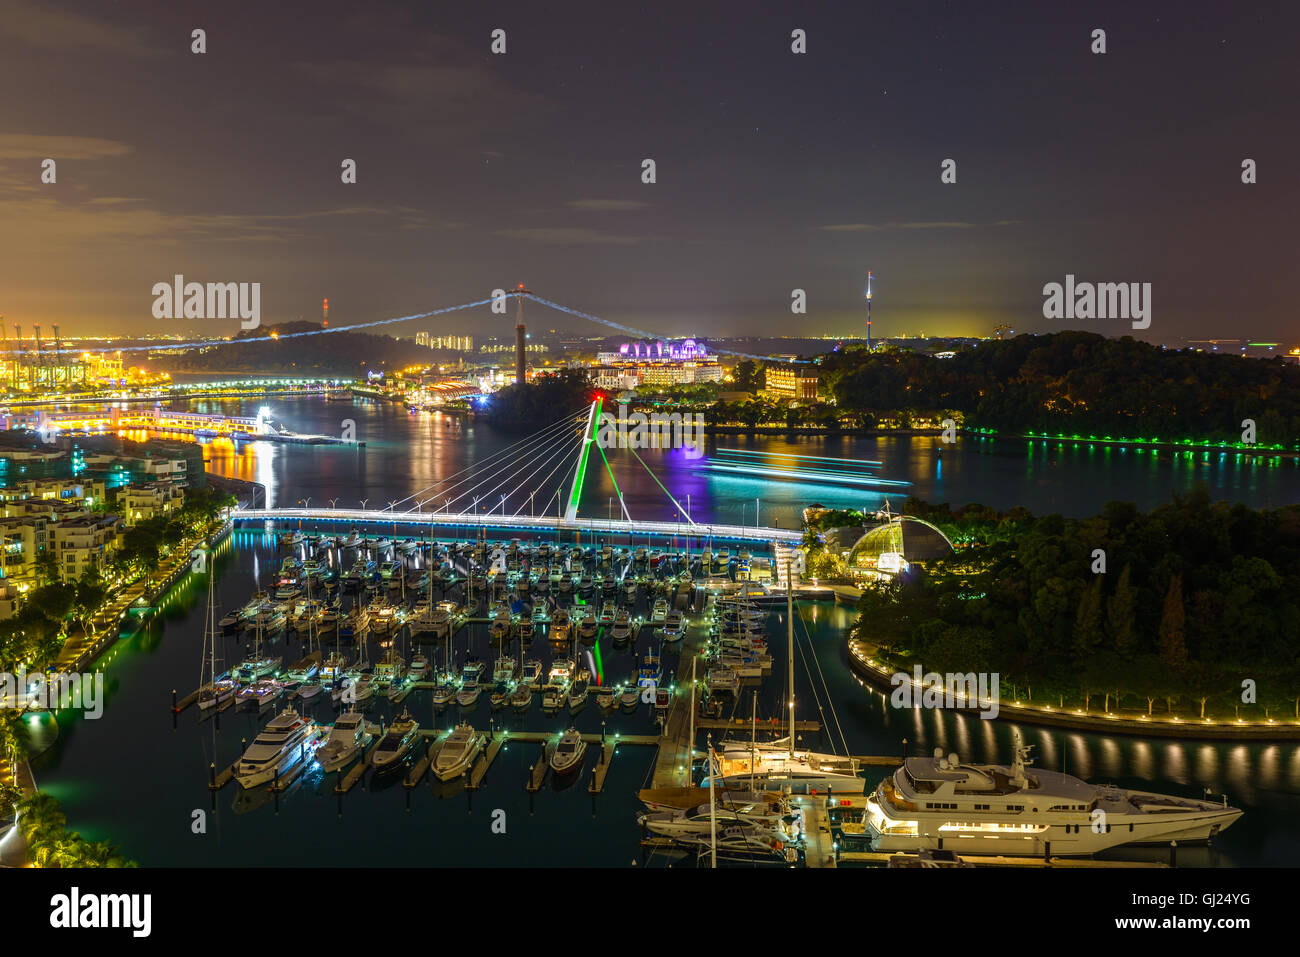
(1121, 614)
(1173, 642)
(1088, 632)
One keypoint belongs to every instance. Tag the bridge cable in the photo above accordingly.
(517, 465)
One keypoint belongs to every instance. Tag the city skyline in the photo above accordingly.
(477, 170)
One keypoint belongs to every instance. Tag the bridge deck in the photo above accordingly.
(539, 523)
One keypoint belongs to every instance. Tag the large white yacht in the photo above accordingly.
(941, 803)
(286, 740)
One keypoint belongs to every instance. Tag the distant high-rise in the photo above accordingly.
(521, 350)
(868, 310)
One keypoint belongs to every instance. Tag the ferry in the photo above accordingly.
(943, 803)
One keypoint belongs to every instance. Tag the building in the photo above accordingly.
(791, 382)
(140, 502)
(82, 544)
(57, 489)
(655, 364)
(24, 538)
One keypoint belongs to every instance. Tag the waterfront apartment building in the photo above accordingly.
(57, 489)
(25, 538)
(140, 502)
(791, 382)
(83, 544)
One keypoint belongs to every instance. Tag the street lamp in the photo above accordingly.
(334, 503)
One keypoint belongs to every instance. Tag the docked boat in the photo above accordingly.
(470, 689)
(396, 744)
(532, 674)
(499, 627)
(651, 672)
(287, 740)
(746, 844)
(587, 625)
(457, 753)
(1016, 810)
(333, 667)
(606, 698)
(259, 694)
(430, 621)
(629, 697)
(556, 688)
(660, 613)
(559, 625)
(521, 697)
(390, 669)
(305, 668)
(355, 625)
(292, 539)
(578, 691)
(568, 753)
(347, 740)
(218, 689)
(504, 669)
(419, 667)
(622, 629)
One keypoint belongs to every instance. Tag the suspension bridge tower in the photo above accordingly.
(521, 338)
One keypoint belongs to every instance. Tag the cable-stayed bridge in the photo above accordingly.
(536, 484)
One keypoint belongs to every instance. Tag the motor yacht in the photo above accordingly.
(568, 753)
(578, 691)
(457, 753)
(943, 803)
(287, 739)
(470, 689)
(396, 743)
(347, 740)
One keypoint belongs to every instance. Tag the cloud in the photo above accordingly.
(607, 205)
(880, 227)
(46, 28)
(561, 236)
(38, 146)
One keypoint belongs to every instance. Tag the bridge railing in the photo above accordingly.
(747, 533)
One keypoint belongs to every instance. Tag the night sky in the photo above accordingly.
(775, 170)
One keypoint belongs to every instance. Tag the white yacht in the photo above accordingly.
(567, 755)
(348, 738)
(397, 743)
(457, 754)
(778, 764)
(287, 739)
(941, 803)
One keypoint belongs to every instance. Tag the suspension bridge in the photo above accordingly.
(536, 484)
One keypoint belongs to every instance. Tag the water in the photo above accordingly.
(140, 780)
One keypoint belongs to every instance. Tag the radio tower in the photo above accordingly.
(521, 354)
(325, 313)
(868, 310)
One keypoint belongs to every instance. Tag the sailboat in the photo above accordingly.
(779, 764)
(217, 691)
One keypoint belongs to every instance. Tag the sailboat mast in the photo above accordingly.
(690, 739)
(789, 617)
(713, 808)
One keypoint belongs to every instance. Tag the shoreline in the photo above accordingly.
(1190, 729)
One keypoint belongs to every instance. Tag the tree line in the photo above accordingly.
(1190, 608)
